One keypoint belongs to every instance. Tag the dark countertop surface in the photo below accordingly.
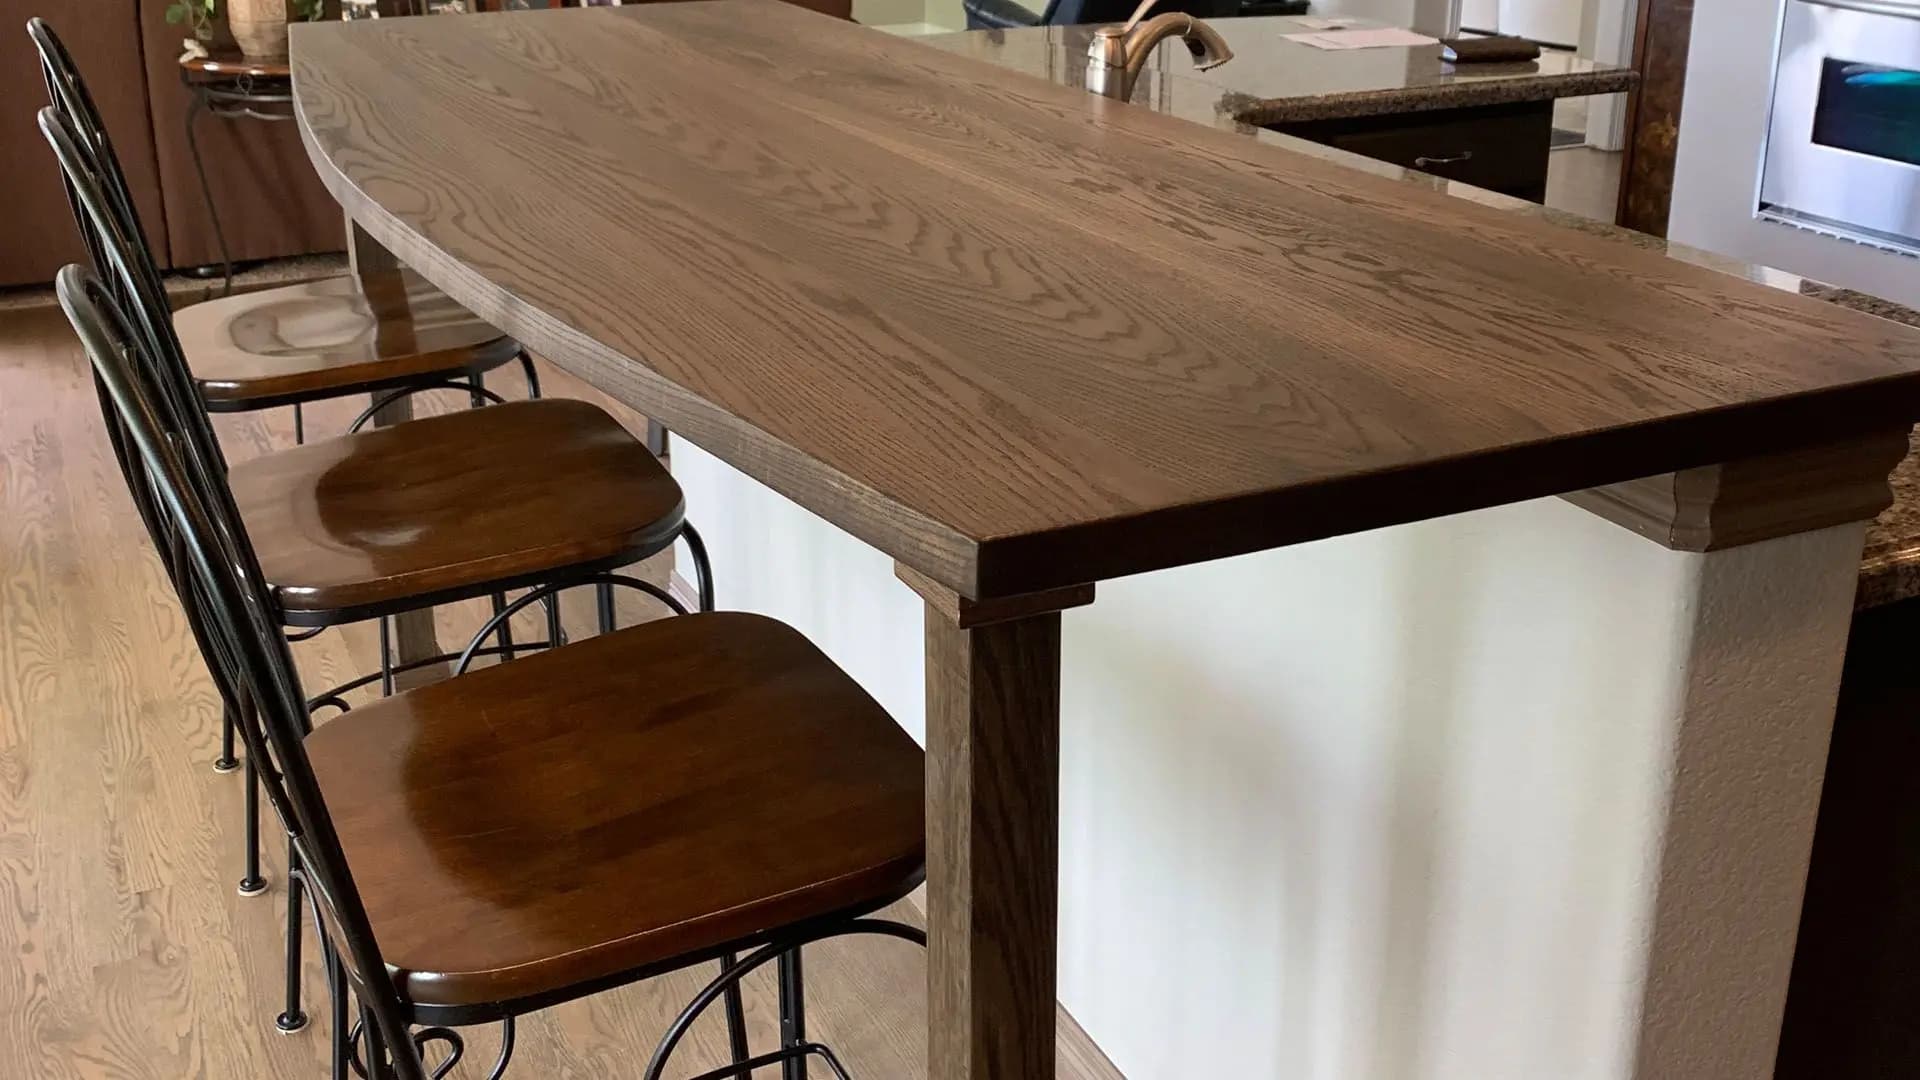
(1271, 80)
(1890, 568)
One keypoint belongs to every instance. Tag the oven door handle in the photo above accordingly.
(1899, 9)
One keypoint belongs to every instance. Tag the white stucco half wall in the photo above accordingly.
(1394, 806)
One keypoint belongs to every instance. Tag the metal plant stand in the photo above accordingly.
(232, 87)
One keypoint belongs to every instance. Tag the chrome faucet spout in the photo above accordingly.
(1117, 54)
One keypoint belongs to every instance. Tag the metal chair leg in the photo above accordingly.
(226, 762)
(533, 378)
(702, 567)
(194, 109)
(338, 1029)
(293, 1018)
(556, 634)
(299, 425)
(731, 972)
(373, 1048)
(505, 636)
(603, 598)
(793, 1014)
(736, 1014)
(253, 882)
(386, 657)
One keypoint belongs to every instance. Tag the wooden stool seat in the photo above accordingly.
(333, 337)
(627, 801)
(451, 506)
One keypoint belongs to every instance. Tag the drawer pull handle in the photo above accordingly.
(1423, 162)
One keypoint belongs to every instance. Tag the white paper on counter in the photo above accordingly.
(1325, 24)
(1391, 37)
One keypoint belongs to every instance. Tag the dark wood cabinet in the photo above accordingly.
(271, 203)
(1499, 147)
(37, 236)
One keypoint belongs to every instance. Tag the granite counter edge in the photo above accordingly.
(1248, 109)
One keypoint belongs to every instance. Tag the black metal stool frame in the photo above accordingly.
(107, 242)
(251, 653)
(97, 191)
(68, 93)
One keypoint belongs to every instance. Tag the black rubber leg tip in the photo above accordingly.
(253, 886)
(288, 1023)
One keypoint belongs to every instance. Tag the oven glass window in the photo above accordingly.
(1869, 109)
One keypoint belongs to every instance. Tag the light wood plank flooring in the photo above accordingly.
(131, 956)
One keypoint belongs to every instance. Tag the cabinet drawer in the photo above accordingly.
(1501, 147)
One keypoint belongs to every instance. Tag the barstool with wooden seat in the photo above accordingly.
(535, 832)
(297, 344)
(371, 525)
(386, 331)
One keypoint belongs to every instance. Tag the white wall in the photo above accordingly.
(1480, 14)
(1557, 21)
(1386, 807)
(1723, 131)
(1398, 790)
(1427, 16)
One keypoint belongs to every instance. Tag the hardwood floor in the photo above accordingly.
(131, 955)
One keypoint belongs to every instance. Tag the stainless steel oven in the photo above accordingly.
(1843, 145)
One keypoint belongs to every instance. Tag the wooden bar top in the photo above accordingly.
(1020, 337)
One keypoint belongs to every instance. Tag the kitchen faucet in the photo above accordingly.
(1117, 53)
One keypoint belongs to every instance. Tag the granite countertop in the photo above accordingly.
(1271, 80)
(1890, 569)
(1890, 565)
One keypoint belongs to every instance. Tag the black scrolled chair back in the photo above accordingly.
(126, 267)
(109, 225)
(243, 623)
(67, 92)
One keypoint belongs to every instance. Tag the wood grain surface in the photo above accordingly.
(373, 522)
(130, 956)
(993, 845)
(632, 799)
(337, 335)
(1019, 337)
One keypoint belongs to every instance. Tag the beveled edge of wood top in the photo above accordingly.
(1119, 545)
(967, 613)
(1735, 503)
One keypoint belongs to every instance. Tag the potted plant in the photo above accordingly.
(197, 14)
(259, 27)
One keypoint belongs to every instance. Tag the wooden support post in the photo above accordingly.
(413, 635)
(993, 793)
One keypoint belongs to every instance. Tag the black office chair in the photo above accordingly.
(1009, 14)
